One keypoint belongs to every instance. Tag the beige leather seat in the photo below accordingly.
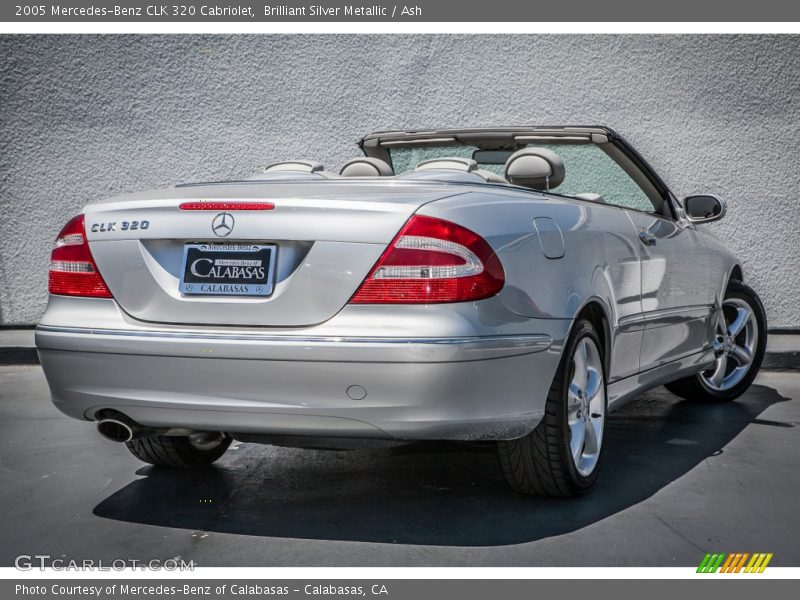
(467, 165)
(301, 166)
(490, 176)
(450, 163)
(591, 197)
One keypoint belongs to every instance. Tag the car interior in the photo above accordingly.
(592, 172)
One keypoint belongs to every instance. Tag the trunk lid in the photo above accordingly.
(326, 236)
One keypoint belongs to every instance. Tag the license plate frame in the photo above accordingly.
(198, 278)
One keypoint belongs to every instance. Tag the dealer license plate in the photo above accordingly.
(227, 270)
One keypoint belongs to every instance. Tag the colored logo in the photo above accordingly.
(737, 562)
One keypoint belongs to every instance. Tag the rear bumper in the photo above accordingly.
(480, 387)
(289, 347)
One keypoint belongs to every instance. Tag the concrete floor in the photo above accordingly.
(679, 480)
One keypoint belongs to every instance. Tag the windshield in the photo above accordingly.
(589, 170)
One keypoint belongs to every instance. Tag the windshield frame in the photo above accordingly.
(379, 144)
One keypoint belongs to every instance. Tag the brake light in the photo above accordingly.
(73, 271)
(226, 205)
(432, 261)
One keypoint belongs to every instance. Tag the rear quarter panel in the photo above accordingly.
(599, 264)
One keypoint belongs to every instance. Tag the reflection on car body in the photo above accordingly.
(511, 285)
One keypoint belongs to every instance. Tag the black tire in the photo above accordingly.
(695, 389)
(540, 463)
(177, 451)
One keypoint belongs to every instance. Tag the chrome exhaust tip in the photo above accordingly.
(119, 428)
(115, 430)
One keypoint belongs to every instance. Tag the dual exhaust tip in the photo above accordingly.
(119, 428)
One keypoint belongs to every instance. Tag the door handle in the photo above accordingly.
(647, 238)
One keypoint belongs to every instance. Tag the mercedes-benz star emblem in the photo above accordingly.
(222, 225)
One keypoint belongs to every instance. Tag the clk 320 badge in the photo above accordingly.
(122, 226)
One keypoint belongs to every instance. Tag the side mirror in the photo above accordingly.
(704, 208)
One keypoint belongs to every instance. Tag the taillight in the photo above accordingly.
(432, 261)
(73, 271)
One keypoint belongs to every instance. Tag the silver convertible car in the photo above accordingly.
(511, 285)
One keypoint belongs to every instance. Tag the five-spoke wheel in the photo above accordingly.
(739, 343)
(734, 344)
(562, 455)
(586, 400)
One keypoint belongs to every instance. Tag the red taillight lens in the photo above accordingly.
(73, 271)
(432, 261)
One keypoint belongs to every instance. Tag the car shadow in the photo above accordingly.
(430, 493)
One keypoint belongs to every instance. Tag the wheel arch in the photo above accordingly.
(594, 311)
(735, 273)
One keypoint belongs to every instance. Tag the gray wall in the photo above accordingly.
(82, 118)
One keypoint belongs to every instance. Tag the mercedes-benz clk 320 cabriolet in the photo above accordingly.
(511, 285)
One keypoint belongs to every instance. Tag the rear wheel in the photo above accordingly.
(192, 451)
(562, 456)
(739, 345)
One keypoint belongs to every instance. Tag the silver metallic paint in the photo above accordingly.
(476, 370)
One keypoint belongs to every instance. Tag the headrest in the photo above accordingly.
(535, 168)
(457, 164)
(366, 166)
(305, 166)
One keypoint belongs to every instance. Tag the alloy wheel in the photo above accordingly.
(734, 345)
(586, 402)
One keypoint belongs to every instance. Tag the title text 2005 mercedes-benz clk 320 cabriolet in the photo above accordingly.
(510, 285)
